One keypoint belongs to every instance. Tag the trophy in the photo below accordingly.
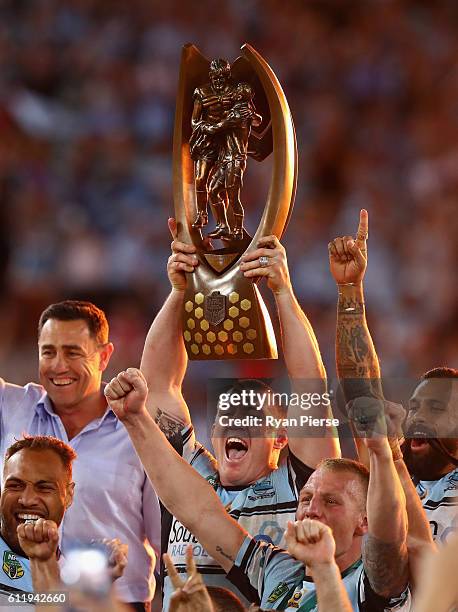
(226, 114)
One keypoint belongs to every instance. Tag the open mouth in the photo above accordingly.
(418, 443)
(27, 518)
(61, 382)
(236, 448)
(418, 436)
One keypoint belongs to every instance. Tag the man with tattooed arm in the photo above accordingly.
(428, 452)
(258, 489)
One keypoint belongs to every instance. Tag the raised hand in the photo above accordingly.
(181, 260)
(126, 394)
(189, 596)
(348, 256)
(274, 266)
(39, 540)
(310, 542)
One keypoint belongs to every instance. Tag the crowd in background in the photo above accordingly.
(87, 100)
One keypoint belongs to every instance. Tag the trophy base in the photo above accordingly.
(230, 323)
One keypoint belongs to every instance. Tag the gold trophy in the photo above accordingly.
(226, 113)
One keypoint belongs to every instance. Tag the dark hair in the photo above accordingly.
(64, 451)
(441, 372)
(72, 310)
(224, 600)
(350, 467)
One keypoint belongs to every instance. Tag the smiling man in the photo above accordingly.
(74, 351)
(37, 484)
(257, 487)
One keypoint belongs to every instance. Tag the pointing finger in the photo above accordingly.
(363, 229)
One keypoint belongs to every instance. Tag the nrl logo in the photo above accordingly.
(11, 566)
(215, 308)
(213, 480)
(278, 591)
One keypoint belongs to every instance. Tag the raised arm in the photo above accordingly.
(300, 348)
(164, 358)
(184, 493)
(355, 351)
(359, 372)
(357, 362)
(385, 546)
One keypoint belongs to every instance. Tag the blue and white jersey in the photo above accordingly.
(15, 572)
(262, 508)
(440, 502)
(278, 581)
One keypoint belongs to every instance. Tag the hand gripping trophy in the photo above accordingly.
(217, 127)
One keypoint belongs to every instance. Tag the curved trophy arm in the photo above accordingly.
(282, 189)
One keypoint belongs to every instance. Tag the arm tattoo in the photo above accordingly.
(350, 306)
(386, 566)
(355, 354)
(221, 552)
(170, 425)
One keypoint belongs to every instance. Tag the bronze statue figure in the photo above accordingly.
(223, 114)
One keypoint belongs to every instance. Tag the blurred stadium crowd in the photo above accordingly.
(87, 100)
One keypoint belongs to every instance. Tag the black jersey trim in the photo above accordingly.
(445, 501)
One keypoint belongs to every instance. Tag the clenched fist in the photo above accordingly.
(311, 542)
(39, 540)
(126, 394)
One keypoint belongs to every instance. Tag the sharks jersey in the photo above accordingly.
(15, 573)
(440, 501)
(275, 579)
(262, 508)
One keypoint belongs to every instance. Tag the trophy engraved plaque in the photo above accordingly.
(226, 114)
